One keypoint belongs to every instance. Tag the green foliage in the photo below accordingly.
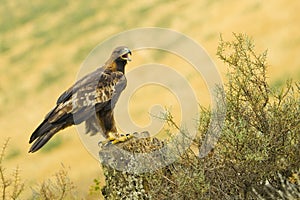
(95, 189)
(260, 137)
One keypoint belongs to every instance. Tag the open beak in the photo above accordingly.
(127, 56)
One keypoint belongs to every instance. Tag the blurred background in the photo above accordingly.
(43, 43)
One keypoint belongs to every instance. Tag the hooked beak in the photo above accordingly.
(126, 55)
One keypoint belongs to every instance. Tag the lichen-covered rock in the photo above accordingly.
(127, 178)
(119, 166)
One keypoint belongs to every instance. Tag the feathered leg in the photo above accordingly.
(107, 123)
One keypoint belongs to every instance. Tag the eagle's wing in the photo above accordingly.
(87, 80)
(79, 103)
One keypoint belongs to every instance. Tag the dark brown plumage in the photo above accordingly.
(90, 100)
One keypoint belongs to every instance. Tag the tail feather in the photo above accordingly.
(42, 135)
(41, 141)
(57, 119)
(44, 127)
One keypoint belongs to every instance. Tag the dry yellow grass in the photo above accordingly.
(45, 52)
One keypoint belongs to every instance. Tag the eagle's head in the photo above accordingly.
(119, 58)
(121, 53)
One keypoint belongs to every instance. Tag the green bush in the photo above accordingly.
(260, 136)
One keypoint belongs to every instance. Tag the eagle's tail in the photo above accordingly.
(42, 134)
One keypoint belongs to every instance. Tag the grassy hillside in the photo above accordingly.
(42, 45)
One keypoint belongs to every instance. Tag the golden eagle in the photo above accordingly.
(91, 100)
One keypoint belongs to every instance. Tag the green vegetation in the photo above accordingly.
(95, 189)
(260, 138)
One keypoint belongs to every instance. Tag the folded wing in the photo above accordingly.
(92, 93)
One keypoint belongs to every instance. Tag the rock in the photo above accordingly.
(137, 169)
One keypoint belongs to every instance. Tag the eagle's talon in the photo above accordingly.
(114, 140)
